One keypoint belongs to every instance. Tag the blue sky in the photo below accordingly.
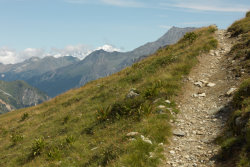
(35, 27)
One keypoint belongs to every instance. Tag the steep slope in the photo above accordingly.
(235, 141)
(34, 67)
(120, 120)
(205, 106)
(18, 94)
(100, 64)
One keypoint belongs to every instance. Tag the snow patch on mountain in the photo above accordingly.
(108, 48)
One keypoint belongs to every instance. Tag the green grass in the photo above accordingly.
(87, 126)
(241, 26)
(235, 142)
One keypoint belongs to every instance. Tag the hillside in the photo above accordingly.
(99, 64)
(120, 120)
(212, 128)
(18, 94)
(235, 139)
(185, 105)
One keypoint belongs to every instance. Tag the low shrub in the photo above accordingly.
(243, 93)
(121, 109)
(54, 154)
(38, 146)
(190, 37)
(24, 116)
(70, 139)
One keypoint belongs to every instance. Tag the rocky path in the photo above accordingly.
(206, 92)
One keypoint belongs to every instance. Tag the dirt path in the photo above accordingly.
(198, 122)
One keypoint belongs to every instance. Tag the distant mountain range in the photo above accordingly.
(34, 67)
(18, 94)
(57, 75)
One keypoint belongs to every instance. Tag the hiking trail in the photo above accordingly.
(206, 91)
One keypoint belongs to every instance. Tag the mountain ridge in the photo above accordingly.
(99, 64)
(18, 94)
(33, 67)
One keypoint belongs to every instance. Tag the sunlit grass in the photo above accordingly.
(74, 133)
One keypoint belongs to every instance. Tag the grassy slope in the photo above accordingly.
(235, 142)
(83, 128)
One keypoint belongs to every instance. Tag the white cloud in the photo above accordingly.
(11, 56)
(7, 56)
(120, 3)
(211, 5)
(197, 5)
(80, 51)
(123, 3)
(31, 52)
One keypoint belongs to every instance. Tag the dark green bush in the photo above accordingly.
(24, 116)
(38, 146)
(190, 37)
(124, 108)
(243, 93)
(248, 14)
(70, 139)
(212, 29)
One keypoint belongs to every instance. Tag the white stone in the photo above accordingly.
(231, 91)
(167, 101)
(172, 152)
(204, 81)
(146, 139)
(195, 95)
(202, 95)
(161, 107)
(132, 139)
(132, 94)
(211, 84)
(198, 84)
(94, 148)
(131, 134)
